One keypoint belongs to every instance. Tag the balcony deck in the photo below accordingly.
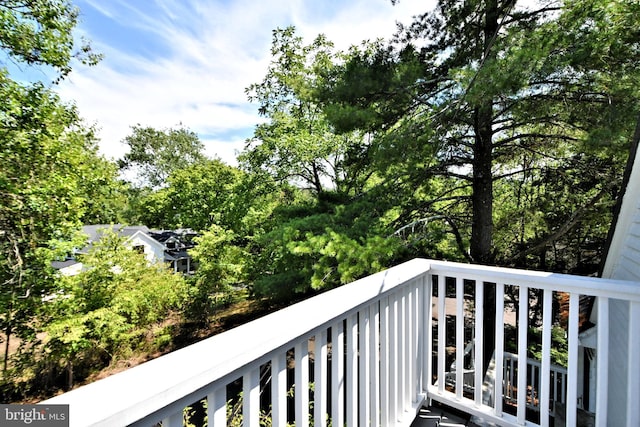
(376, 351)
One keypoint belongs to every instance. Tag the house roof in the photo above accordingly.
(59, 265)
(94, 231)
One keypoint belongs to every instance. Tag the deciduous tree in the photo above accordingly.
(155, 154)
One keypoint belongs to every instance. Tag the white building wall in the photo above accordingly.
(623, 262)
(153, 250)
(623, 259)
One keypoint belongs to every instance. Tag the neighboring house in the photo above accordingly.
(169, 246)
(68, 267)
(176, 246)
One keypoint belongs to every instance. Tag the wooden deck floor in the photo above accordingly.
(438, 416)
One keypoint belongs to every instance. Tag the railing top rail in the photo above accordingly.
(619, 289)
(133, 394)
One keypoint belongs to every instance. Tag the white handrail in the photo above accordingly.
(157, 388)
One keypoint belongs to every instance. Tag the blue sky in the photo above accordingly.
(171, 62)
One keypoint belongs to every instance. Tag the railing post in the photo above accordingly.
(385, 330)
(364, 367)
(442, 323)
(374, 363)
(301, 391)
(633, 375)
(278, 390)
(545, 363)
(602, 355)
(217, 408)
(352, 370)
(251, 397)
(426, 323)
(459, 337)
(174, 420)
(523, 316)
(479, 345)
(572, 362)
(416, 350)
(337, 373)
(402, 349)
(394, 360)
(499, 351)
(407, 345)
(320, 379)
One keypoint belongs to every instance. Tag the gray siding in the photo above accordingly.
(623, 262)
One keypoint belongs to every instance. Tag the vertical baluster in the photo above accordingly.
(572, 363)
(408, 345)
(554, 384)
(251, 397)
(545, 363)
(459, 337)
(394, 413)
(413, 342)
(174, 420)
(478, 343)
(403, 338)
(279, 390)
(320, 394)
(217, 408)
(337, 374)
(442, 323)
(352, 370)
(302, 383)
(499, 352)
(533, 381)
(364, 367)
(602, 381)
(633, 379)
(563, 387)
(384, 361)
(374, 363)
(426, 324)
(523, 316)
(416, 349)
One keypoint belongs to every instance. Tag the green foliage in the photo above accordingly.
(559, 346)
(50, 170)
(40, 33)
(298, 145)
(314, 246)
(202, 194)
(155, 154)
(483, 95)
(110, 304)
(221, 268)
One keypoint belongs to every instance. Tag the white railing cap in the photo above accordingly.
(584, 285)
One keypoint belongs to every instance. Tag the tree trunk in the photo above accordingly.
(482, 198)
(6, 348)
(69, 375)
(8, 331)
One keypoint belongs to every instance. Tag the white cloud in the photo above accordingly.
(210, 51)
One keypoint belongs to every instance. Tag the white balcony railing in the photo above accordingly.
(371, 353)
